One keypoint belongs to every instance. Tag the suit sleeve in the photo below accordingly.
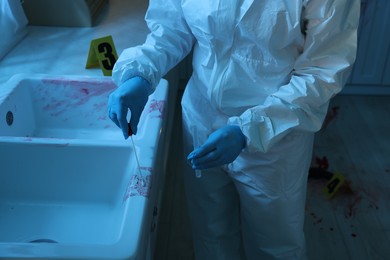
(320, 72)
(168, 42)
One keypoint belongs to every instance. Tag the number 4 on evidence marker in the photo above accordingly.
(333, 185)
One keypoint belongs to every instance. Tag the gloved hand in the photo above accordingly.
(222, 147)
(133, 95)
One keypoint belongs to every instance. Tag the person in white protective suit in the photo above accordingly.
(263, 74)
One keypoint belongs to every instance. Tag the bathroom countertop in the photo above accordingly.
(64, 50)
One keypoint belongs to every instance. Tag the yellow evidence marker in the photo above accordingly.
(102, 53)
(333, 185)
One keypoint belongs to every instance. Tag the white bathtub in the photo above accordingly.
(69, 182)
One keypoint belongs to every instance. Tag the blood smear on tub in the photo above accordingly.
(157, 106)
(138, 186)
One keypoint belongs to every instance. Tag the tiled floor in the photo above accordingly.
(354, 224)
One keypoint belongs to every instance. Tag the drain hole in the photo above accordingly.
(9, 118)
(43, 240)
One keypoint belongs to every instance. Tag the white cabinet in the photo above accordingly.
(371, 73)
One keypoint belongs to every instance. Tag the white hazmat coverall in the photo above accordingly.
(269, 67)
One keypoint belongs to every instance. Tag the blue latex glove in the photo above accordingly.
(222, 147)
(132, 94)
